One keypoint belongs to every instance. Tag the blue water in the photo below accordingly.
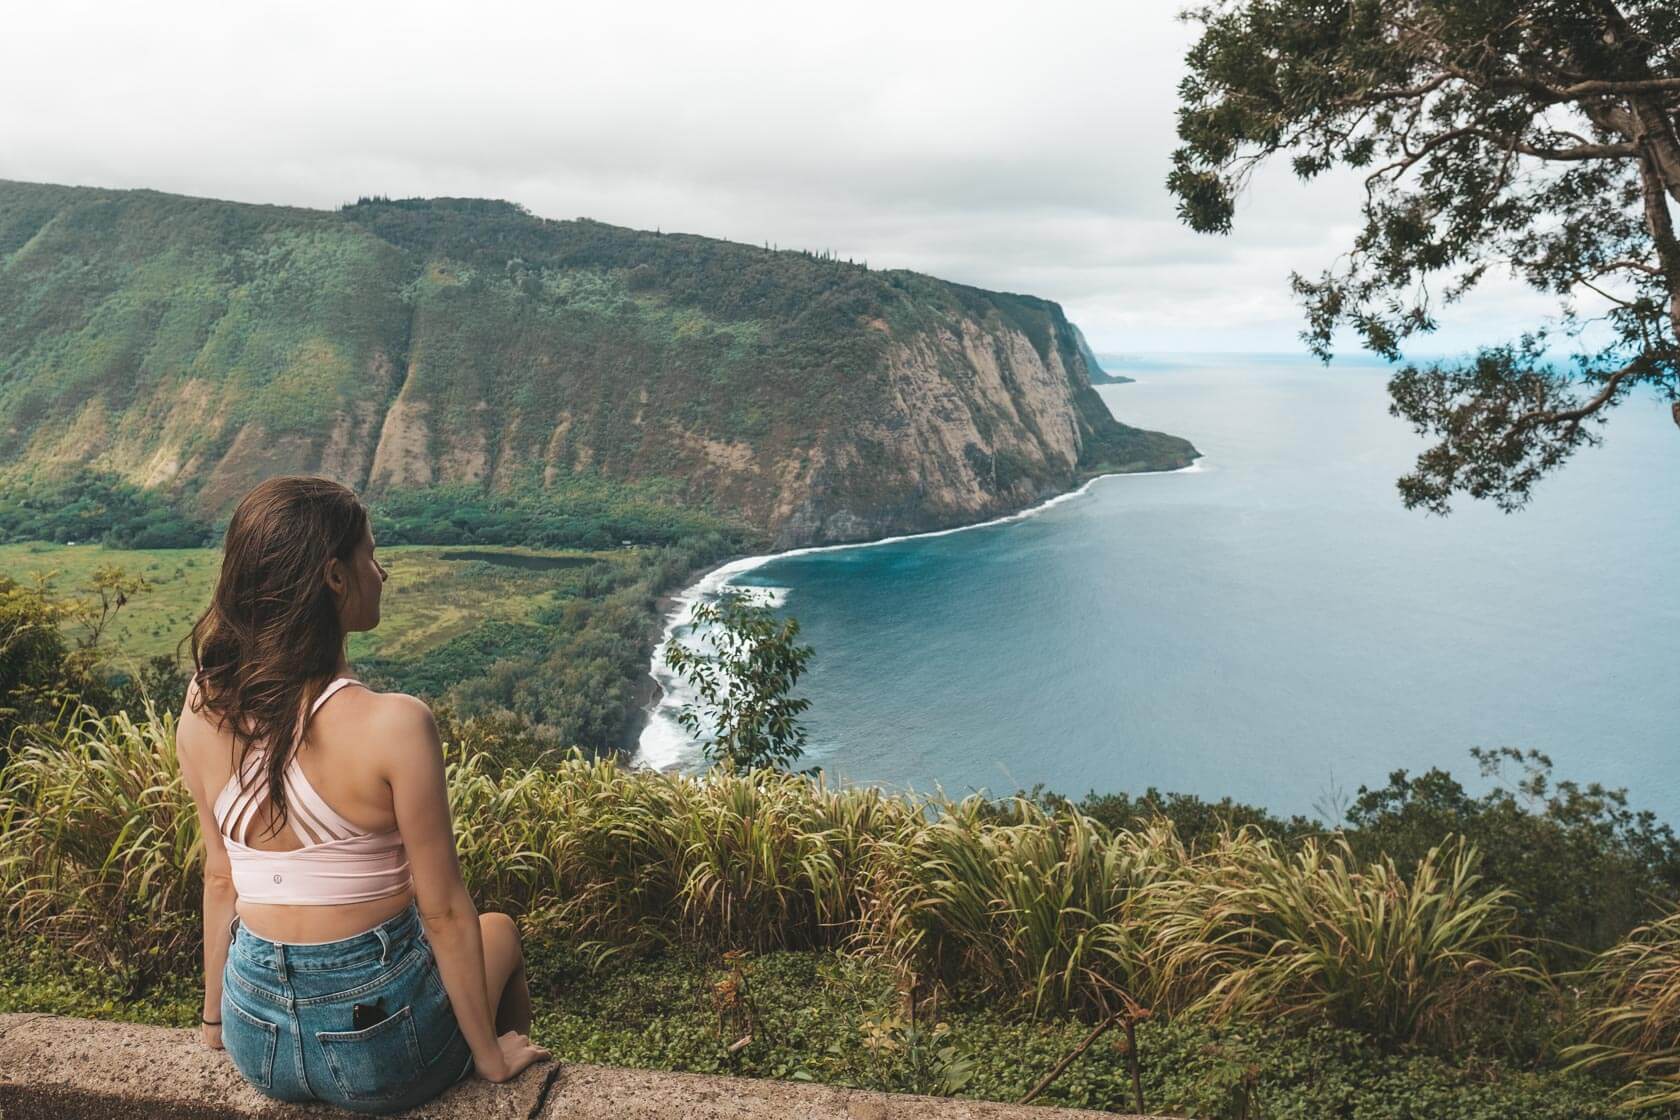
(1273, 626)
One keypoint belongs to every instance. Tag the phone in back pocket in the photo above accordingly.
(365, 1015)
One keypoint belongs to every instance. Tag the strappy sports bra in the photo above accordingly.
(339, 862)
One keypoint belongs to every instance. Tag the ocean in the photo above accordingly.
(1270, 625)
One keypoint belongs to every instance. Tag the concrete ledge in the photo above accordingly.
(54, 1068)
(86, 1069)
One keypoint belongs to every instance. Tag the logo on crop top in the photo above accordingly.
(277, 878)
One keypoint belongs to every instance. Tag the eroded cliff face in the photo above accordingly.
(197, 347)
(964, 397)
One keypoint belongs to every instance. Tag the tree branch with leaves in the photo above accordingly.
(744, 670)
(1541, 137)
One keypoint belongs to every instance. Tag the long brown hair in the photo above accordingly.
(271, 638)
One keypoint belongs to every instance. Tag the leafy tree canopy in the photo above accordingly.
(745, 681)
(1537, 136)
(42, 675)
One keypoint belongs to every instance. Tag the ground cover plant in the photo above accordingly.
(1260, 976)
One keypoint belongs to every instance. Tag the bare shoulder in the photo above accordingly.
(192, 730)
(396, 711)
(396, 724)
(202, 748)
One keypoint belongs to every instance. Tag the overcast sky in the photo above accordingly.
(1010, 145)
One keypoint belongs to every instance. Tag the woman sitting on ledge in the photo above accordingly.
(343, 959)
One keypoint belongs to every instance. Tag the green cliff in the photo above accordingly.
(192, 347)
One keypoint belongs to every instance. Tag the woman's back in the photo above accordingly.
(338, 862)
(347, 746)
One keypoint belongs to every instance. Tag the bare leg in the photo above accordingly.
(504, 973)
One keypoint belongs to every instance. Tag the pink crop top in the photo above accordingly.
(339, 863)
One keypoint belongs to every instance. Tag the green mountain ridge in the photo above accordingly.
(191, 347)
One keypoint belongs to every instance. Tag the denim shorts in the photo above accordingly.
(287, 1019)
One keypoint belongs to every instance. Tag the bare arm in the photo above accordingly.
(420, 798)
(219, 895)
(219, 900)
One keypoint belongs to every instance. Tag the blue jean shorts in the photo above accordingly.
(287, 1018)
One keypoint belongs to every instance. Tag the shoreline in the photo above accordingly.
(673, 607)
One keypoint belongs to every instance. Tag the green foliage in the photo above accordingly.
(1121, 447)
(1283, 981)
(747, 714)
(42, 676)
(459, 662)
(1054, 911)
(621, 859)
(34, 671)
(1049, 912)
(1248, 1070)
(1318, 936)
(1633, 1014)
(38, 976)
(577, 673)
(558, 642)
(161, 680)
(1584, 867)
(88, 507)
(824, 1017)
(124, 315)
(1026, 911)
(99, 841)
(578, 512)
(1541, 136)
(1196, 821)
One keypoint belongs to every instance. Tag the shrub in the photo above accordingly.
(1632, 1016)
(99, 842)
(1584, 868)
(1311, 934)
(1042, 912)
(1032, 911)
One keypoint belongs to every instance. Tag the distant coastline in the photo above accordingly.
(1100, 376)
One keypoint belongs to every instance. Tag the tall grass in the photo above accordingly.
(1046, 912)
(1031, 911)
(627, 858)
(1631, 1017)
(99, 843)
(1251, 927)
(1057, 913)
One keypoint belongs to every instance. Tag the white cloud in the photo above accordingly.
(1010, 145)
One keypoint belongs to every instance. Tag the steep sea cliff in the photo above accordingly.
(192, 347)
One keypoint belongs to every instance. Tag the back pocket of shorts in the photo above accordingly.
(378, 1063)
(250, 1042)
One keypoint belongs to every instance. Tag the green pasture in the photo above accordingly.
(434, 594)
